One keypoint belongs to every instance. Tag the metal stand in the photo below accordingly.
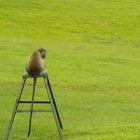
(32, 102)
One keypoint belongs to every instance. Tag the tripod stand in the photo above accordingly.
(32, 102)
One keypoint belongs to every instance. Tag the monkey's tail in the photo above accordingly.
(35, 75)
(35, 79)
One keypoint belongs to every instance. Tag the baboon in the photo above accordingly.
(35, 63)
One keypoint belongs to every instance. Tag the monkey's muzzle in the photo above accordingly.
(43, 54)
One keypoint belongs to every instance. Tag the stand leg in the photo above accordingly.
(51, 93)
(54, 110)
(31, 111)
(15, 109)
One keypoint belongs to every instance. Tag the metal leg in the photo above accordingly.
(53, 109)
(31, 111)
(51, 93)
(15, 109)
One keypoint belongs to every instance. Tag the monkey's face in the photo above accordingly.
(42, 53)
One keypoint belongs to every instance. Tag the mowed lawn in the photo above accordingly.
(93, 61)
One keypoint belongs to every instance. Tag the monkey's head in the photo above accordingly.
(42, 53)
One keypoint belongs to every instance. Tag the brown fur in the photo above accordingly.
(35, 64)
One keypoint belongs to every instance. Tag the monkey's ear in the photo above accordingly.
(41, 50)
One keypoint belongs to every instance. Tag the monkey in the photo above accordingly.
(35, 63)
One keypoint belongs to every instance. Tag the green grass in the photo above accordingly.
(93, 63)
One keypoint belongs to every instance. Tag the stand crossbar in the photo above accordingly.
(35, 110)
(35, 102)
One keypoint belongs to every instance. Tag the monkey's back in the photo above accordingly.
(34, 66)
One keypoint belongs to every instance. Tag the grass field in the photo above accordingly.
(93, 61)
